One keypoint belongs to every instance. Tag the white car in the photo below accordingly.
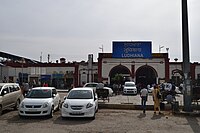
(92, 85)
(40, 101)
(80, 102)
(130, 88)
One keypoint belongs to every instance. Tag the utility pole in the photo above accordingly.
(101, 48)
(160, 47)
(186, 59)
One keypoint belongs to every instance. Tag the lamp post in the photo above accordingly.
(160, 47)
(22, 61)
(186, 59)
(167, 49)
(176, 59)
(101, 48)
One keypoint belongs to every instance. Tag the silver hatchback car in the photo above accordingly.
(10, 96)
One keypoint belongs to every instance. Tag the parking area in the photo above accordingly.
(128, 99)
(107, 120)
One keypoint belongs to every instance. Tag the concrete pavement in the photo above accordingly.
(134, 102)
(131, 102)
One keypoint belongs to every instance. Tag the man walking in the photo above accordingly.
(144, 96)
(156, 98)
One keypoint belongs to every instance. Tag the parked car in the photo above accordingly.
(98, 86)
(80, 102)
(92, 85)
(40, 101)
(10, 96)
(130, 88)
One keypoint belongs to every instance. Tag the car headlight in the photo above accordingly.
(65, 105)
(89, 105)
(22, 105)
(45, 105)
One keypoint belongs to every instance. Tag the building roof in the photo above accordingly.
(16, 57)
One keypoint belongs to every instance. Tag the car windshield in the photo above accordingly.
(91, 85)
(43, 93)
(80, 94)
(129, 85)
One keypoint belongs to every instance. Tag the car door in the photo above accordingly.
(12, 95)
(5, 97)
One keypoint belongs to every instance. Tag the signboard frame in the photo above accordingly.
(132, 49)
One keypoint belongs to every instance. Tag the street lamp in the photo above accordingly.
(176, 59)
(22, 61)
(160, 47)
(101, 48)
(167, 49)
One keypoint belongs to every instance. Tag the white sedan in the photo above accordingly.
(40, 101)
(80, 102)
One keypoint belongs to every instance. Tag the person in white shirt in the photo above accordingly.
(144, 97)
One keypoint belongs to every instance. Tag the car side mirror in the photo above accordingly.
(65, 97)
(53, 95)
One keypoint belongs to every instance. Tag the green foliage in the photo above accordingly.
(118, 78)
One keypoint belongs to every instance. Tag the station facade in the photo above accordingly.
(130, 60)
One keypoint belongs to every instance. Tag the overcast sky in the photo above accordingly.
(75, 28)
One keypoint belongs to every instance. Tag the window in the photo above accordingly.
(6, 89)
(12, 89)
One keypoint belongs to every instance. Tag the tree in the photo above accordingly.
(118, 79)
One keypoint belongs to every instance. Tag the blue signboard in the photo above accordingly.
(45, 77)
(131, 49)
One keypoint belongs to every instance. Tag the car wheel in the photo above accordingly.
(97, 110)
(20, 116)
(63, 118)
(1, 110)
(51, 113)
(93, 117)
(17, 105)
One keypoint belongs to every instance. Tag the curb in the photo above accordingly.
(125, 106)
(130, 106)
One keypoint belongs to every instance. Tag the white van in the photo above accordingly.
(130, 88)
(10, 96)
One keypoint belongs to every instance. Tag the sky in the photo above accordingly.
(72, 29)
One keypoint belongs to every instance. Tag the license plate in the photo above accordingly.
(76, 113)
(32, 109)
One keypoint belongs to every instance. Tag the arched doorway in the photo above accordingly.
(146, 75)
(120, 69)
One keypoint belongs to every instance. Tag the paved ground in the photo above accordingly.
(136, 100)
(131, 99)
(107, 121)
(132, 102)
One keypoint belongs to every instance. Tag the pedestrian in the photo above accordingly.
(144, 97)
(156, 98)
(45, 84)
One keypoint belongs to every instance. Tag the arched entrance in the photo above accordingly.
(146, 75)
(120, 69)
